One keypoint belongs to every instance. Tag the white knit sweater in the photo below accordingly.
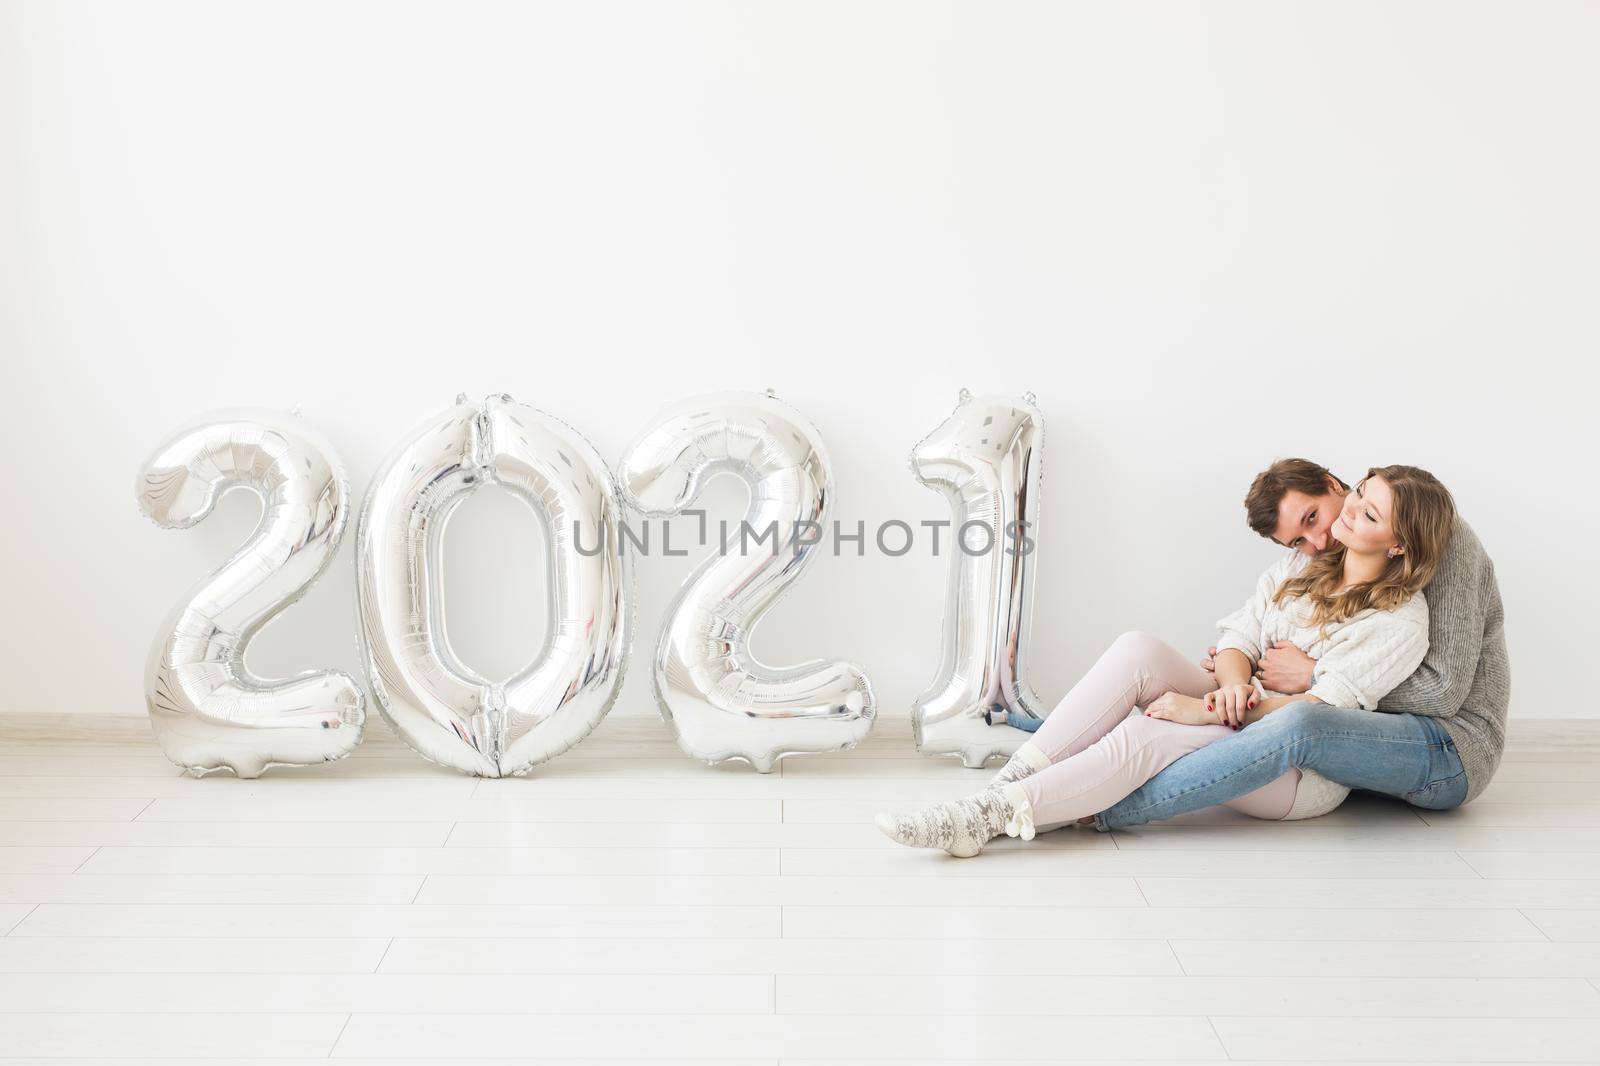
(1358, 660)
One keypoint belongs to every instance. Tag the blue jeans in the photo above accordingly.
(1408, 756)
(1023, 722)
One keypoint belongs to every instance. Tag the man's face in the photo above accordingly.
(1304, 521)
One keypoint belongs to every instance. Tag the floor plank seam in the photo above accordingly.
(1539, 928)
(1223, 1044)
(18, 923)
(667, 1013)
(334, 1046)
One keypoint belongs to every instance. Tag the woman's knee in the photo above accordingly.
(1271, 801)
(1138, 643)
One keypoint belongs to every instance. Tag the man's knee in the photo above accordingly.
(1300, 718)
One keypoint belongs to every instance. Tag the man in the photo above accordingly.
(1435, 741)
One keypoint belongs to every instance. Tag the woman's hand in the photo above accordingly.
(1232, 704)
(1176, 707)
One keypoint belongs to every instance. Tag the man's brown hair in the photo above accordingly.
(1273, 483)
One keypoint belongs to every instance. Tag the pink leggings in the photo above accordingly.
(1100, 754)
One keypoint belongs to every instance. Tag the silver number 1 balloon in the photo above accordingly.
(437, 704)
(720, 702)
(208, 711)
(985, 459)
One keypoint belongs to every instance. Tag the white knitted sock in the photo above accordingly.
(1025, 761)
(962, 827)
(1020, 822)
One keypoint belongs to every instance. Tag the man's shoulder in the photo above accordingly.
(1464, 559)
(1464, 539)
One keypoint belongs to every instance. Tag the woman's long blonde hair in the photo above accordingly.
(1423, 515)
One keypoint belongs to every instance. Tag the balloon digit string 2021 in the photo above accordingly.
(209, 713)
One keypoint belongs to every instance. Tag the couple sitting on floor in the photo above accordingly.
(1371, 656)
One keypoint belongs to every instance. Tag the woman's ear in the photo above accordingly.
(1397, 551)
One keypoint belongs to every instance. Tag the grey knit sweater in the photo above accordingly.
(1465, 680)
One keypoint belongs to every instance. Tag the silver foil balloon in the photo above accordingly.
(208, 711)
(985, 459)
(439, 706)
(720, 702)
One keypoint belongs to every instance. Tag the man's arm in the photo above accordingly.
(1285, 668)
(1458, 604)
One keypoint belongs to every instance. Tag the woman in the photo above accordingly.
(1357, 608)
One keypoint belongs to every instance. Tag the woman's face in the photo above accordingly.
(1363, 522)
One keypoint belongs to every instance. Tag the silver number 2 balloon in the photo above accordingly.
(439, 706)
(207, 710)
(720, 702)
(985, 458)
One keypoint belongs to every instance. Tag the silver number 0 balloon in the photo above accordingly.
(208, 711)
(439, 706)
(720, 702)
(985, 459)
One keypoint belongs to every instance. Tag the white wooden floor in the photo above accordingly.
(628, 904)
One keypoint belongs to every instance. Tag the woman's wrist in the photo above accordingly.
(1233, 667)
(1266, 707)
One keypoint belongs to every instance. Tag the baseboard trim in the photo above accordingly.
(1528, 736)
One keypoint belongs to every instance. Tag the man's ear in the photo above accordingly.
(1334, 487)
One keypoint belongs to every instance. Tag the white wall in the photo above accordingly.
(1206, 235)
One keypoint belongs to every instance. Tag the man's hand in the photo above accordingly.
(1231, 704)
(1285, 668)
(1176, 707)
(1209, 663)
